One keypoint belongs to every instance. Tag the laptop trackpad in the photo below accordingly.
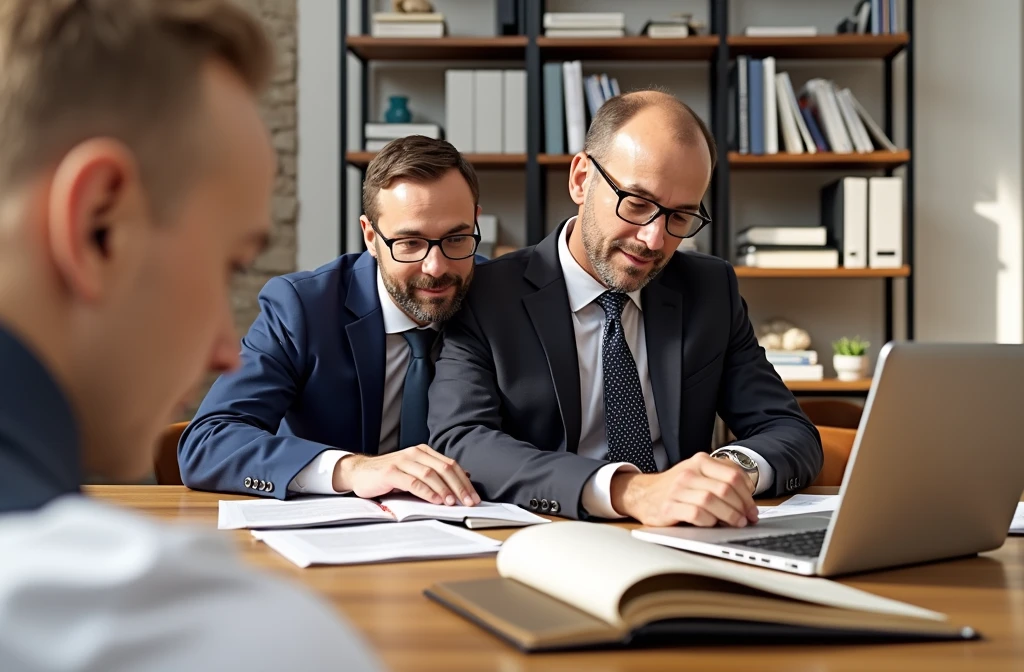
(782, 525)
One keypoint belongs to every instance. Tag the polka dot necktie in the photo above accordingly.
(625, 413)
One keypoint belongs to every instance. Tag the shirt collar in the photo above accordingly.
(395, 320)
(582, 287)
(39, 451)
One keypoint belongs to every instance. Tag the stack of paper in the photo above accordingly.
(799, 504)
(427, 539)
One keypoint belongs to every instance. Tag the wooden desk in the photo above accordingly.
(410, 632)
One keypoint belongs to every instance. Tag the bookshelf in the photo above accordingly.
(718, 50)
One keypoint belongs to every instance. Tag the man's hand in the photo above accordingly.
(702, 491)
(419, 470)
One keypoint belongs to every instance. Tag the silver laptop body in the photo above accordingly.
(936, 471)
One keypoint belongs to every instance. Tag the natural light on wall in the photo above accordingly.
(1005, 213)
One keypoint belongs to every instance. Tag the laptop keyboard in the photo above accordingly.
(802, 544)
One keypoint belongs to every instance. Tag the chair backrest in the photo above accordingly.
(832, 412)
(166, 465)
(836, 444)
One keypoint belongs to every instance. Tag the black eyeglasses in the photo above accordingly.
(410, 249)
(640, 211)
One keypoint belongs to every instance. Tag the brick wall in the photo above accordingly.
(278, 108)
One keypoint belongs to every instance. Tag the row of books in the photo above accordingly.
(485, 110)
(874, 17)
(796, 364)
(584, 24)
(570, 102)
(861, 227)
(408, 24)
(766, 113)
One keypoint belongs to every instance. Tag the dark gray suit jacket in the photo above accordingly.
(505, 401)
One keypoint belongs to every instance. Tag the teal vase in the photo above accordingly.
(398, 110)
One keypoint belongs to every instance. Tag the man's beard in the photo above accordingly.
(599, 253)
(431, 309)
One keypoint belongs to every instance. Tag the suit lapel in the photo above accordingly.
(663, 325)
(549, 312)
(367, 340)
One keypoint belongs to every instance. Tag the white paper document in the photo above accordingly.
(421, 540)
(338, 510)
(799, 504)
(1017, 525)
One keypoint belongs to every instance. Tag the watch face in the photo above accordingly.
(745, 460)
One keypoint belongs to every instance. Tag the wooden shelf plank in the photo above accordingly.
(438, 48)
(829, 385)
(821, 160)
(362, 159)
(752, 272)
(698, 48)
(819, 46)
(554, 159)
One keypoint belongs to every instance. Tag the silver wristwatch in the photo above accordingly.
(742, 460)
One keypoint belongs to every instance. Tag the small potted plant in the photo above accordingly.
(850, 358)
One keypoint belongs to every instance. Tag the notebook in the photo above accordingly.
(571, 585)
(338, 510)
(381, 542)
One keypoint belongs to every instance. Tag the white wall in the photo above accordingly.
(319, 112)
(968, 76)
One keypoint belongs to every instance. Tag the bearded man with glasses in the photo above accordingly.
(583, 376)
(331, 394)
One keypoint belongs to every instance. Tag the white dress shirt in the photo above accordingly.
(317, 477)
(588, 323)
(89, 587)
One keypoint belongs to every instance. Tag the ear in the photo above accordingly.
(369, 235)
(578, 172)
(93, 198)
(479, 211)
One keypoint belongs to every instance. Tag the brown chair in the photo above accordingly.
(166, 465)
(836, 444)
(832, 412)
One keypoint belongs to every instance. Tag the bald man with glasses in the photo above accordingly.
(583, 376)
(331, 394)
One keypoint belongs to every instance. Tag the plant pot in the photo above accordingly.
(850, 367)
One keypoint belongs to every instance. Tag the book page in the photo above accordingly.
(408, 507)
(376, 543)
(800, 504)
(591, 566)
(301, 512)
(1017, 524)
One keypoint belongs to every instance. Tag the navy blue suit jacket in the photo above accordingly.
(311, 379)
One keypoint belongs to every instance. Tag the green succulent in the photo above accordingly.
(850, 346)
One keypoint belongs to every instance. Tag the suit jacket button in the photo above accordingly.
(248, 482)
(544, 505)
(555, 506)
(270, 486)
(263, 485)
(533, 503)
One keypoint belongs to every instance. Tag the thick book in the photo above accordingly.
(273, 514)
(573, 585)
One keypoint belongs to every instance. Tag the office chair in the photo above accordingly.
(166, 465)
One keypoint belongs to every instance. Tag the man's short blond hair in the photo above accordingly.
(71, 70)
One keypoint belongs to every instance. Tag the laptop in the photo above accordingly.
(936, 471)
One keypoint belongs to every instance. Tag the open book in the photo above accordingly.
(270, 514)
(575, 584)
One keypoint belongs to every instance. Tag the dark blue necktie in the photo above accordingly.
(412, 429)
(625, 413)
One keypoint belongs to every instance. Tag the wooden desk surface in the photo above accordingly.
(410, 632)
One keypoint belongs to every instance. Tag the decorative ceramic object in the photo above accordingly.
(411, 6)
(398, 110)
(779, 334)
